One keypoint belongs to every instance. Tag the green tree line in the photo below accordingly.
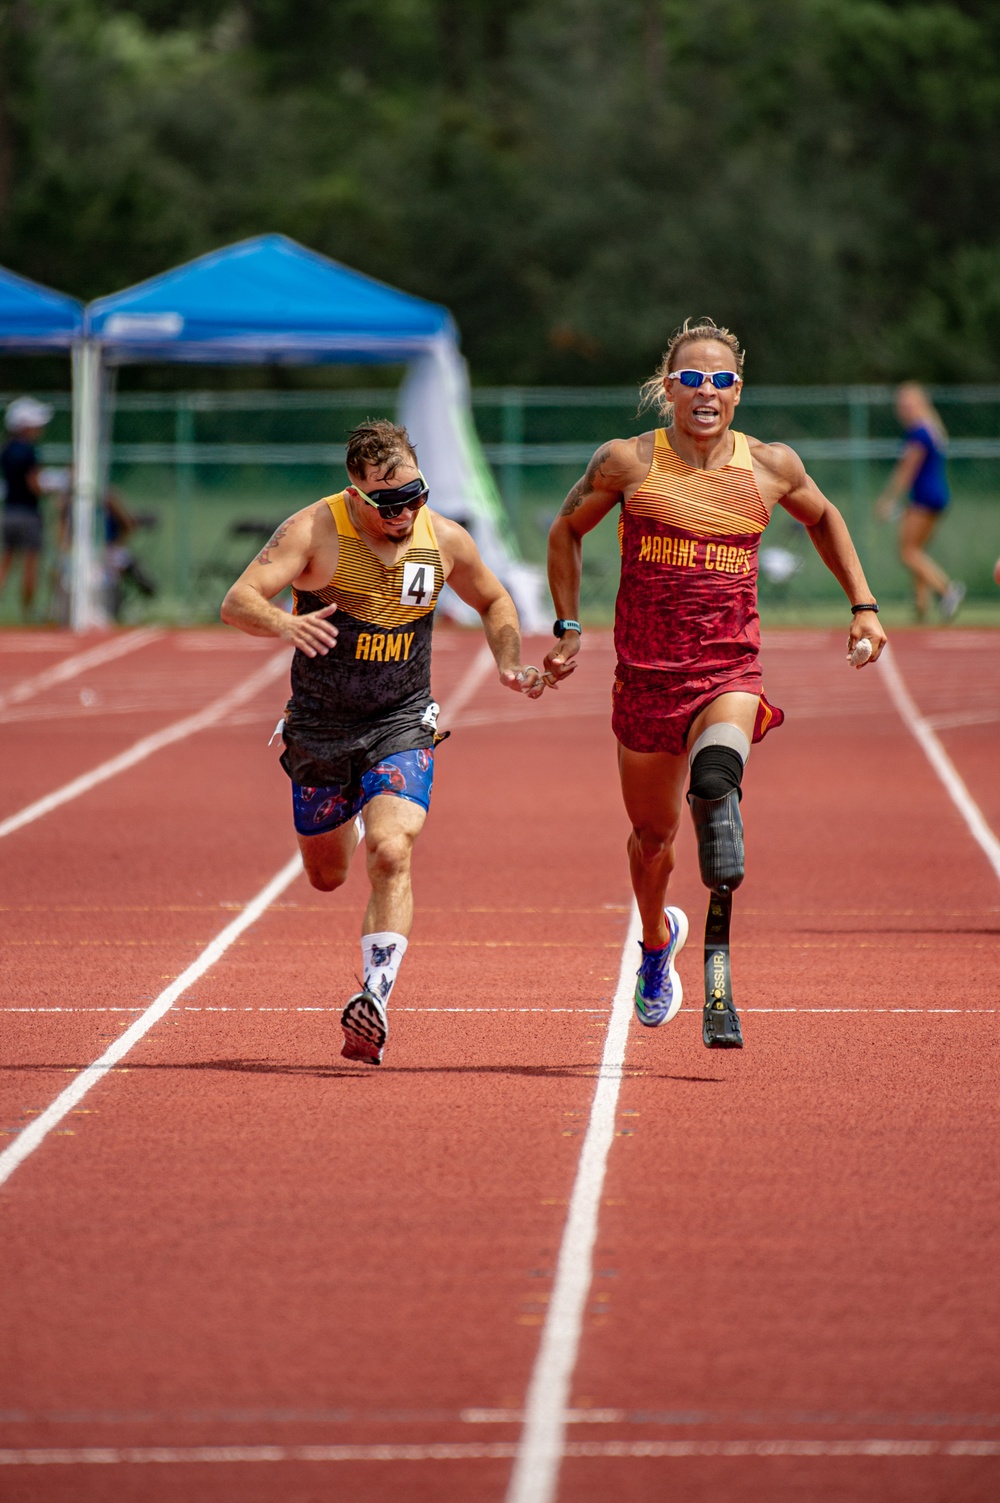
(571, 177)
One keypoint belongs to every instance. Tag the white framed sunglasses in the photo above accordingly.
(721, 380)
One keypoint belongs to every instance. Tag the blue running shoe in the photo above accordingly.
(658, 990)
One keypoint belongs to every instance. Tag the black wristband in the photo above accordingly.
(561, 627)
(871, 606)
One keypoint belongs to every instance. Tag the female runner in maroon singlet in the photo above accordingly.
(694, 498)
(686, 623)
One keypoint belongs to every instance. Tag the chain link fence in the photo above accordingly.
(202, 478)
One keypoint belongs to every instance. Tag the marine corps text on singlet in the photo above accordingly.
(687, 603)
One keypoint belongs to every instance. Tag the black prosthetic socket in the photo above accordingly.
(714, 796)
(716, 771)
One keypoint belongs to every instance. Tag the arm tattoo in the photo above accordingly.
(574, 499)
(264, 556)
(583, 487)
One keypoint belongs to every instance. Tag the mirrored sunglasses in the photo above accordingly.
(392, 503)
(721, 380)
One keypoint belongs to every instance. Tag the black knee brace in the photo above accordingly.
(714, 796)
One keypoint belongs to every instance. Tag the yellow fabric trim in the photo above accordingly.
(424, 535)
(338, 511)
(370, 590)
(716, 502)
(741, 452)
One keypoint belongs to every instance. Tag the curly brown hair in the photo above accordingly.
(652, 393)
(376, 443)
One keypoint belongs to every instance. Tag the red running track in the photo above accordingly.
(239, 1241)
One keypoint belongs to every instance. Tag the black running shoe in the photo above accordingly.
(365, 1028)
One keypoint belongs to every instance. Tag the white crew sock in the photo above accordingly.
(381, 956)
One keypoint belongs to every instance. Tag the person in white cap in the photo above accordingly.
(25, 421)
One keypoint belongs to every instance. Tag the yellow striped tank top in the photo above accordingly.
(384, 619)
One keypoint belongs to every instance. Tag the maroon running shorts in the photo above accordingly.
(653, 712)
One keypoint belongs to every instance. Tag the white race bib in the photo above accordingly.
(418, 585)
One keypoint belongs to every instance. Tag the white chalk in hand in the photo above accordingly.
(862, 652)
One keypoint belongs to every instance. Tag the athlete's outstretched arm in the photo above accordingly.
(829, 536)
(611, 469)
(287, 556)
(480, 588)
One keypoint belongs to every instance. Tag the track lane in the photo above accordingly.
(318, 1251)
(205, 809)
(954, 679)
(223, 1223)
(78, 662)
(72, 727)
(799, 1224)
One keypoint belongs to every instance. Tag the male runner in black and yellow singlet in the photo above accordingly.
(361, 725)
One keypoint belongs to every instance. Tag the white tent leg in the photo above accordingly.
(85, 608)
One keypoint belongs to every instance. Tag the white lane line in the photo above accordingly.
(487, 1451)
(38, 1131)
(180, 729)
(72, 667)
(468, 684)
(542, 1445)
(591, 1013)
(940, 760)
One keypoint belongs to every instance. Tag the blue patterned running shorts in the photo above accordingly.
(407, 774)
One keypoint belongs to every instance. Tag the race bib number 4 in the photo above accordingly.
(418, 585)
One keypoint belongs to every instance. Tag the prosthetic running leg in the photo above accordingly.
(717, 760)
(720, 1022)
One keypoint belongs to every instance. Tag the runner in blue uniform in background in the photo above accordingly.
(921, 471)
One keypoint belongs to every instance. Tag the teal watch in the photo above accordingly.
(561, 627)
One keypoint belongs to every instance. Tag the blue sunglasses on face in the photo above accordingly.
(721, 380)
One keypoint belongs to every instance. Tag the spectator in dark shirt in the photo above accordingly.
(25, 421)
(921, 471)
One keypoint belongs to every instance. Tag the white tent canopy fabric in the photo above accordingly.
(270, 300)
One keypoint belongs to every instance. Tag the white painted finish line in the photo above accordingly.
(36, 1133)
(939, 760)
(486, 1451)
(179, 731)
(543, 1440)
(94, 657)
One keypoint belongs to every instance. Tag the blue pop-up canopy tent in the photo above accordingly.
(267, 300)
(34, 319)
(261, 300)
